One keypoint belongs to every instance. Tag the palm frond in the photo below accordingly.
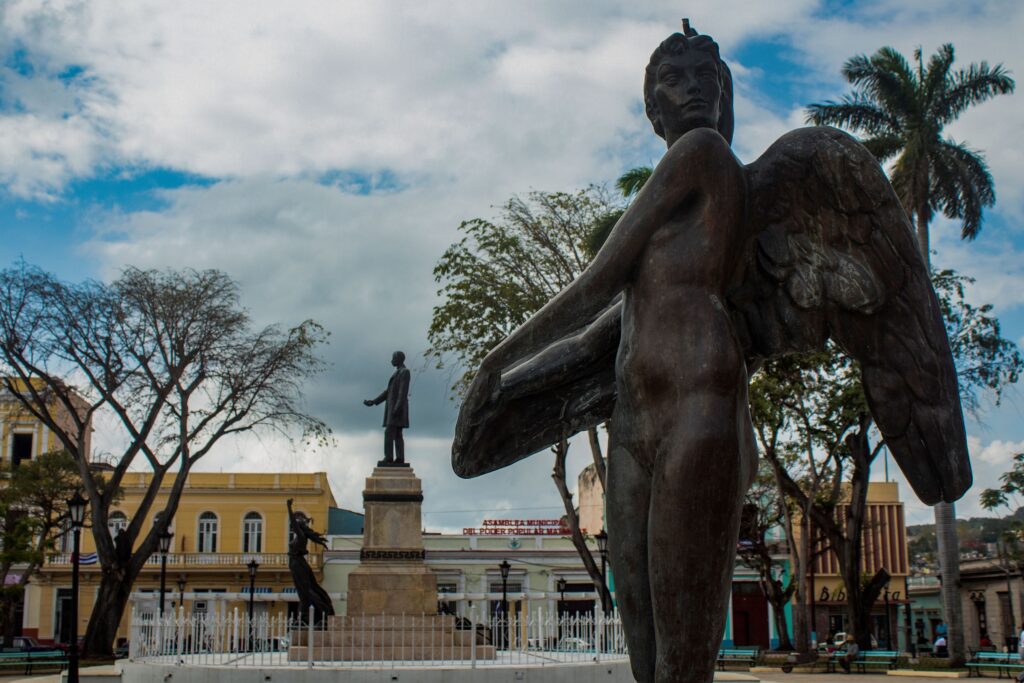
(975, 84)
(961, 185)
(934, 82)
(854, 113)
(884, 147)
(630, 182)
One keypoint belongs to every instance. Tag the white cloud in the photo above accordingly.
(997, 452)
(464, 104)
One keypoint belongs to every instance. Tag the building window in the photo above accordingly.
(207, 536)
(21, 448)
(116, 522)
(252, 533)
(64, 541)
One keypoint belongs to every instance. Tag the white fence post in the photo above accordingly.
(309, 642)
(472, 641)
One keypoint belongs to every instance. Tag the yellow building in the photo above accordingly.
(23, 436)
(224, 520)
(884, 546)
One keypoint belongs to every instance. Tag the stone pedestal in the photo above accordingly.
(392, 596)
(392, 578)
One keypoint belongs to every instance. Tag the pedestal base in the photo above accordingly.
(389, 638)
(383, 589)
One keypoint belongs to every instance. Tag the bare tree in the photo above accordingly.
(174, 359)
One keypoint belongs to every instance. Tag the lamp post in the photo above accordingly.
(181, 590)
(602, 548)
(76, 510)
(561, 594)
(504, 568)
(253, 566)
(165, 546)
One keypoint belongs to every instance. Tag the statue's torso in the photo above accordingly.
(677, 337)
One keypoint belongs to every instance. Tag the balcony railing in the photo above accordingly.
(268, 560)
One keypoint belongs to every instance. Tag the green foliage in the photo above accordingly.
(985, 361)
(901, 110)
(33, 509)
(501, 272)
(628, 184)
(1012, 486)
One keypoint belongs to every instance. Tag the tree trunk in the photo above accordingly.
(599, 465)
(778, 597)
(922, 237)
(949, 571)
(558, 475)
(111, 599)
(945, 531)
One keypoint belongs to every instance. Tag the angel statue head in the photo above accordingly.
(687, 86)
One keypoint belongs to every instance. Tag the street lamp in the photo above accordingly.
(561, 591)
(76, 509)
(602, 547)
(253, 566)
(181, 590)
(165, 545)
(504, 568)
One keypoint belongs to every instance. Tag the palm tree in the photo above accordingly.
(629, 183)
(902, 110)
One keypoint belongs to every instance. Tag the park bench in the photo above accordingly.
(27, 660)
(867, 658)
(738, 655)
(1000, 662)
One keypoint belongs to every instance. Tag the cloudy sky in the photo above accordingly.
(324, 153)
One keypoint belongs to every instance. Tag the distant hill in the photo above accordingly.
(977, 536)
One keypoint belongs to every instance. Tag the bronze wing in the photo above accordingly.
(834, 256)
(560, 389)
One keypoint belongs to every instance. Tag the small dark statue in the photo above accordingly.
(310, 592)
(396, 412)
(714, 268)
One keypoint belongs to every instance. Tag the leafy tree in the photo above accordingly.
(902, 110)
(812, 424)
(764, 513)
(628, 184)
(985, 362)
(173, 358)
(33, 510)
(495, 277)
(501, 272)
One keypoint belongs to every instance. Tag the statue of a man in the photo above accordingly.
(396, 412)
(715, 267)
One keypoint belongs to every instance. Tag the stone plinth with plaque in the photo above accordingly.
(392, 577)
(392, 595)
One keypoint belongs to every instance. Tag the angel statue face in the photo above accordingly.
(688, 86)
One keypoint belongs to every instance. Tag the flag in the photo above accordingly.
(88, 558)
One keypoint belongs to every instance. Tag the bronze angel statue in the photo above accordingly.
(715, 267)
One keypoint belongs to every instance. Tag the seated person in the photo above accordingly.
(940, 649)
(850, 651)
(985, 643)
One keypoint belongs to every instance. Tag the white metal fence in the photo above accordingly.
(375, 641)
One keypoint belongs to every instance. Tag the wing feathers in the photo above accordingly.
(842, 251)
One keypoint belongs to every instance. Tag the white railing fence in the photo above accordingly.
(387, 641)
